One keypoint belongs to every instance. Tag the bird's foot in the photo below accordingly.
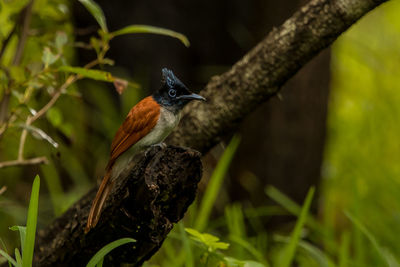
(161, 145)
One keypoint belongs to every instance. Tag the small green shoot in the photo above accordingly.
(96, 12)
(150, 29)
(29, 244)
(22, 233)
(289, 251)
(211, 242)
(386, 257)
(27, 234)
(189, 261)
(99, 256)
(215, 184)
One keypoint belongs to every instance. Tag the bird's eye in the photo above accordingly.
(172, 92)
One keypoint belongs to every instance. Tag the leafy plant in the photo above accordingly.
(27, 234)
(97, 259)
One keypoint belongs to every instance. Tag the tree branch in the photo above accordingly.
(260, 74)
(143, 204)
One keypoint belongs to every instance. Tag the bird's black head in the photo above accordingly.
(173, 93)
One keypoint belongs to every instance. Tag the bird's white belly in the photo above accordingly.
(165, 124)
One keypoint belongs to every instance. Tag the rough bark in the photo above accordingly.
(143, 204)
(260, 73)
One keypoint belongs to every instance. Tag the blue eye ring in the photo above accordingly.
(172, 92)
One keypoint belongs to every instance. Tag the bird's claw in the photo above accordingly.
(160, 145)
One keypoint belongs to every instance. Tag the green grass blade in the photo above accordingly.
(151, 29)
(236, 226)
(96, 12)
(8, 257)
(290, 250)
(29, 243)
(215, 183)
(22, 233)
(53, 182)
(106, 249)
(18, 257)
(344, 249)
(249, 248)
(290, 205)
(314, 252)
(385, 256)
(189, 262)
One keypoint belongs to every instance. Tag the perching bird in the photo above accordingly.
(148, 123)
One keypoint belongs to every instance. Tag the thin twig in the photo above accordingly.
(71, 79)
(5, 125)
(24, 34)
(6, 95)
(7, 40)
(32, 161)
(22, 140)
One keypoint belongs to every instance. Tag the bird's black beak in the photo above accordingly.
(192, 96)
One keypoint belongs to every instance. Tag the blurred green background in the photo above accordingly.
(335, 129)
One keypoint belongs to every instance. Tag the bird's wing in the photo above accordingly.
(140, 121)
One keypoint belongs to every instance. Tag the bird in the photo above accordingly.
(147, 124)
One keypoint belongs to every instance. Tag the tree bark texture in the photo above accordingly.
(143, 204)
(261, 73)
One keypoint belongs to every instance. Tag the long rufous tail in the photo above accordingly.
(98, 202)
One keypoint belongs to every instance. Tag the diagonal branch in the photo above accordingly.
(261, 72)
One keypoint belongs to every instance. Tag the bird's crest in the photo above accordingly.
(169, 78)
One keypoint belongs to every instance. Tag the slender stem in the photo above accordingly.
(32, 161)
(4, 103)
(24, 34)
(23, 139)
(71, 79)
(7, 40)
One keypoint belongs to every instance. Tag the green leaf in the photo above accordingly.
(22, 233)
(8, 257)
(18, 257)
(106, 249)
(232, 262)
(61, 40)
(385, 255)
(290, 250)
(96, 12)
(98, 75)
(215, 183)
(31, 221)
(211, 242)
(151, 29)
(48, 57)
